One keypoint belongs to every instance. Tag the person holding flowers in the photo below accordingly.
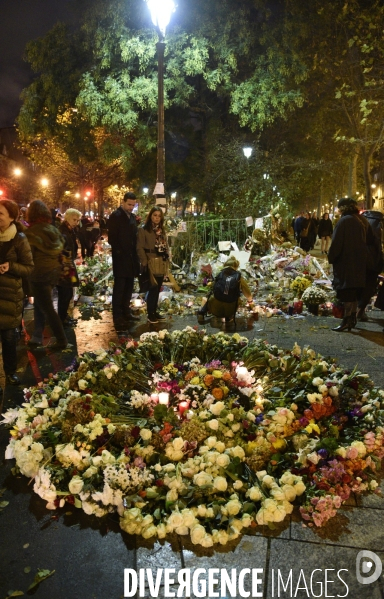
(153, 253)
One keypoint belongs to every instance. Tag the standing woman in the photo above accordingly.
(324, 232)
(348, 255)
(153, 253)
(15, 263)
(47, 245)
(68, 279)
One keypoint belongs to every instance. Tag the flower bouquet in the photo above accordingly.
(312, 297)
(202, 435)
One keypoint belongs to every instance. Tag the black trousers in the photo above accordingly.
(9, 338)
(46, 312)
(153, 296)
(121, 297)
(65, 295)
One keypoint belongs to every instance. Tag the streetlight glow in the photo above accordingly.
(17, 172)
(247, 152)
(161, 11)
(44, 182)
(145, 190)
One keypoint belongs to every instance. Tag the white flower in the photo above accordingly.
(237, 452)
(75, 485)
(359, 445)
(213, 424)
(217, 407)
(220, 483)
(145, 434)
(202, 479)
(82, 384)
(317, 381)
(222, 460)
(233, 507)
(254, 494)
(197, 534)
(237, 485)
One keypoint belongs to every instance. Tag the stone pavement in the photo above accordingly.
(89, 557)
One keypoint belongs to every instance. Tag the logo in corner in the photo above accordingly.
(369, 563)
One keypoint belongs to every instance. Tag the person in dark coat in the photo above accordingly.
(312, 230)
(324, 232)
(94, 236)
(298, 225)
(68, 278)
(47, 245)
(16, 263)
(375, 260)
(83, 234)
(348, 255)
(304, 232)
(122, 236)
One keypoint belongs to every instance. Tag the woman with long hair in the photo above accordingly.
(16, 263)
(47, 245)
(153, 253)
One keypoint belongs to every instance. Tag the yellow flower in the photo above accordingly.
(279, 444)
(14, 432)
(195, 381)
(217, 374)
(312, 426)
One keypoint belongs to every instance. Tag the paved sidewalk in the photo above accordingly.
(89, 557)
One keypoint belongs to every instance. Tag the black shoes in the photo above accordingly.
(152, 319)
(12, 379)
(131, 316)
(69, 323)
(160, 316)
(348, 323)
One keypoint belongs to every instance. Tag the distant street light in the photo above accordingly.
(17, 172)
(145, 190)
(161, 11)
(44, 182)
(247, 152)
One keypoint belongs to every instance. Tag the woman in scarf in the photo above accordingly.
(16, 263)
(153, 253)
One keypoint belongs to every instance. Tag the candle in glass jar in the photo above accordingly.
(154, 397)
(183, 406)
(164, 398)
(137, 303)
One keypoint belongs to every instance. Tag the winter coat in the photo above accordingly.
(46, 245)
(348, 253)
(68, 277)
(227, 310)
(375, 248)
(325, 228)
(148, 256)
(122, 236)
(18, 253)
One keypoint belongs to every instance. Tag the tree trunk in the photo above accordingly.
(367, 178)
(352, 180)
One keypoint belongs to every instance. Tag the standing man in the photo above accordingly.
(122, 236)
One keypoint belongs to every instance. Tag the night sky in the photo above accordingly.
(20, 22)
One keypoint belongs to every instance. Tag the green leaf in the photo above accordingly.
(3, 504)
(14, 594)
(27, 569)
(40, 576)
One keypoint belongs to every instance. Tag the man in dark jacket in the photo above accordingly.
(122, 236)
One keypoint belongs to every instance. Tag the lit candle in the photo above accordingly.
(183, 406)
(164, 398)
(154, 398)
(137, 303)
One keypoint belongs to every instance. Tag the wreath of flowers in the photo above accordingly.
(206, 435)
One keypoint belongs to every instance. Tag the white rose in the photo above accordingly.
(289, 492)
(235, 427)
(90, 472)
(177, 443)
(220, 536)
(211, 442)
(83, 384)
(220, 483)
(317, 381)
(233, 507)
(237, 485)
(222, 460)
(197, 534)
(238, 452)
(145, 434)
(175, 520)
(359, 445)
(213, 424)
(150, 531)
(202, 479)
(216, 408)
(299, 488)
(75, 485)
(220, 446)
(254, 494)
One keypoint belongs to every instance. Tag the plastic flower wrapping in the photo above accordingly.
(202, 435)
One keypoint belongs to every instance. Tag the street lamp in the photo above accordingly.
(247, 152)
(161, 11)
(17, 172)
(44, 182)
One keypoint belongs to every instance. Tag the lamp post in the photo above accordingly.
(247, 152)
(161, 11)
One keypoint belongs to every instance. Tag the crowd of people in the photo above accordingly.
(307, 227)
(39, 248)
